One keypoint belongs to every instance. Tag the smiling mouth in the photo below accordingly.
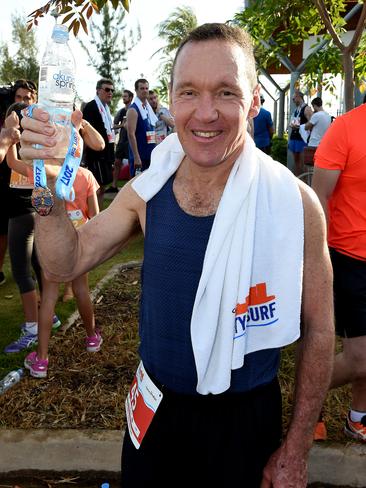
(206, 134)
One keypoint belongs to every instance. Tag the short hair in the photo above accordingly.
(103, 81)
(317, 101)
(140, 80)
(152, 92)
(26, 85)
(300, 93)
(222, 32)
(129, 93)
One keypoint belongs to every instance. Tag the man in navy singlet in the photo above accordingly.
(179, 435)
(140, 129)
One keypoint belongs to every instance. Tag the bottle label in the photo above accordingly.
(56, 82)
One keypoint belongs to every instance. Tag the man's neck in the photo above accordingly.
(144, 102)
(101, 101)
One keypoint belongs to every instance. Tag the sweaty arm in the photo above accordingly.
(65, 252)
(323, 183)
(287, 467)
(131, 133)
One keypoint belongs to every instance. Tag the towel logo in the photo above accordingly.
(258, 310)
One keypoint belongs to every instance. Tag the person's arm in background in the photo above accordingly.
(287, 467)
(132, 117)
(16, 164)
(166, 117)
(91, 137)
(8, 137)
(323, 183)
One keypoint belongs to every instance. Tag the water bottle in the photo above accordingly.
(56, 88)
(11, 379)
(105, 485)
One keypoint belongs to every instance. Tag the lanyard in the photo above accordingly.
(66, 177)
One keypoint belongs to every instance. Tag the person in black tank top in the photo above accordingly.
(301, 115)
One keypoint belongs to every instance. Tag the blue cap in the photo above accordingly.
(60, 33)
(105, 485)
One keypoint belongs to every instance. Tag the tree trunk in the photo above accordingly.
(349, 81)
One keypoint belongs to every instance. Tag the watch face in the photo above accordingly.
(42, 200)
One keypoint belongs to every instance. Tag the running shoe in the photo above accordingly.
(356, 430)
(37, 367)
(56, 322)
(94, 342)
(320, 431)
(2, 278)
(25, 340)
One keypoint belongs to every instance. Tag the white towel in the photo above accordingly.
(107, 118)
(249, 294)
(146, 112)
(304, 133)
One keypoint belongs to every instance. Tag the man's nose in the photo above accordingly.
(206, 110)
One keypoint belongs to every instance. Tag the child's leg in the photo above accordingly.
(68, 294)
(80, 287)
(46, 311)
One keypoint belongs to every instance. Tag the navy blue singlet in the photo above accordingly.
(175, 244)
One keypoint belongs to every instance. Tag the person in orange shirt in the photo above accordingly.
(339, 181)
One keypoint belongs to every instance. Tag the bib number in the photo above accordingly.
(150, 137)
(141, 405)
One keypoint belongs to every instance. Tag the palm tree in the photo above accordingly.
(172, 30)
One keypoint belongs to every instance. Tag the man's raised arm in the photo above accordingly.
(65, 252)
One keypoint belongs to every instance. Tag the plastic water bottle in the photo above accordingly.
(56, 88)
(11, 379)
(105, 485)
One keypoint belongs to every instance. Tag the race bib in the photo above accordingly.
(150, 137)
(141, 405)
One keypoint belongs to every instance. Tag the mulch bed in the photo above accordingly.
(84, 390)
(87, 390)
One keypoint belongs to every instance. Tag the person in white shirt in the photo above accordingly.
(319, 122)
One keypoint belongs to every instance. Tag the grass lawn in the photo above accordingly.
(11, 313)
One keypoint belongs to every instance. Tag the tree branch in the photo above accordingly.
(328, 23)
(352, 46)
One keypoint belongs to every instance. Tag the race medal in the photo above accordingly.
(141, 405)
(150, 137)
(42, 200)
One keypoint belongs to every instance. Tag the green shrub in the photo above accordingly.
(279, 149)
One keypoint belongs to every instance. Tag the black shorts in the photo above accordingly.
(206, 440)
(102, 171)
(349, 294)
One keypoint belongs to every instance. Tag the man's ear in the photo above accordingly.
(255, 103)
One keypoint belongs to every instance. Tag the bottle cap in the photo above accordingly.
(105, 485)
(60, 33)
(20, 372)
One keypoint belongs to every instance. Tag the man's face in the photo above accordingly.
(210, 100)
(126, 98)
(143, 91)
(153, 100)
(22, 95)
(105, 93)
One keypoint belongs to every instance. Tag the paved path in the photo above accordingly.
(85, 451)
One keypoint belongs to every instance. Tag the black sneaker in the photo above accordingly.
(111, 189)
(2, 278)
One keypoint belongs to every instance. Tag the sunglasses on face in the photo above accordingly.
(108, 90)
